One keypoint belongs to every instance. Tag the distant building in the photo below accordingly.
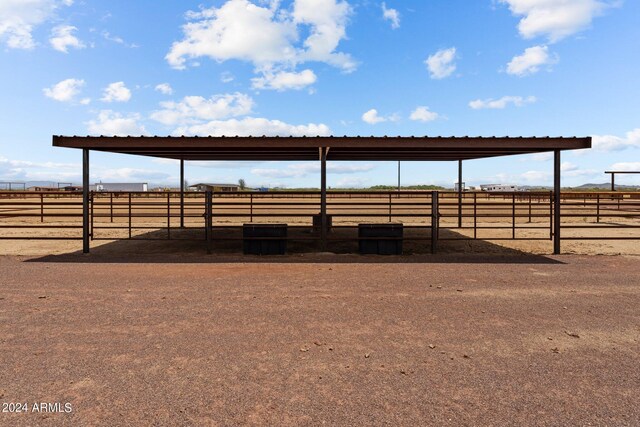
(227, 188)
(110, 187)
(499, 187)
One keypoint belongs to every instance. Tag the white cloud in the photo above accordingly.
(21, 170)
(129, 175)
(391, 15)
(119, 40)
(616, 143)
(19, 18)
(442, 63)
(65, 91)
(299, 170)
(116, 92)
(555, 19)
(284, 80)
(372, 117)
(351, 182)
(111, 123)
(253, 126)
(539, 157)
(164, 88)
(531, 61)
(217, 116)
(227, 77)
(62, 38)
(268, 37)
(499, 104)
(423, 114)
(196, 109)
(626, 166)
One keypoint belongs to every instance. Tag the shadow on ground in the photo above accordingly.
(189, 246)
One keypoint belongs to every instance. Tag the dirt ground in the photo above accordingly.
(165, 339)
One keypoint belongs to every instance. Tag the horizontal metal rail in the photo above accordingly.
(483, 215)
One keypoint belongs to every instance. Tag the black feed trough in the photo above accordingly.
(264, 239)
(380, 239)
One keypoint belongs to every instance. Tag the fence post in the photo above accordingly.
(434, 221)
(168, 215)
(129, 214)
(529, 207)
(41, 207)
(513, 216)
(390, 205)
(251, 207)
(111, 205)
(475, 216)
(208, 214)
(598, 208)
(91, 204)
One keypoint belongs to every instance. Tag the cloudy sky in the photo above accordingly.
(319, 67)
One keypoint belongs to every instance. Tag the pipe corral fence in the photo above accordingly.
(165, 215)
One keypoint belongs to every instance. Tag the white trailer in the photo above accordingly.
(496, 188)
(111, 187)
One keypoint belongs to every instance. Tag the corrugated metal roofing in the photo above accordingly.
(308, 147)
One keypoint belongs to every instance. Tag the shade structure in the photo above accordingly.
(308, 148)
(322, 148)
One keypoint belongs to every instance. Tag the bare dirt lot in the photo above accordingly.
(197, 340)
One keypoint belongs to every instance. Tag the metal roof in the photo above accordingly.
(308, 148)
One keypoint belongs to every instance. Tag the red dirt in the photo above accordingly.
(322, 339)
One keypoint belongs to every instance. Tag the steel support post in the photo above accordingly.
(181, 193)
(434, 221)
(459, 193)
(323, 199)
(613, 181)
(556, 202)
(208, 209)
(85, 200)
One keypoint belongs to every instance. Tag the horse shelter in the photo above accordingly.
(324, 149)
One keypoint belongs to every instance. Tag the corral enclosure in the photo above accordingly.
(498, 217)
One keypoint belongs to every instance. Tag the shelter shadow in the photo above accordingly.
(188, 246)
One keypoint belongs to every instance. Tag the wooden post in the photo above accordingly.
(85, 200)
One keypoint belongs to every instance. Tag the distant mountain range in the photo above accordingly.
(606, 186)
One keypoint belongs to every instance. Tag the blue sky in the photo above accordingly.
(437, 67)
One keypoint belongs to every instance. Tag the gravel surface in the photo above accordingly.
(321, 339)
